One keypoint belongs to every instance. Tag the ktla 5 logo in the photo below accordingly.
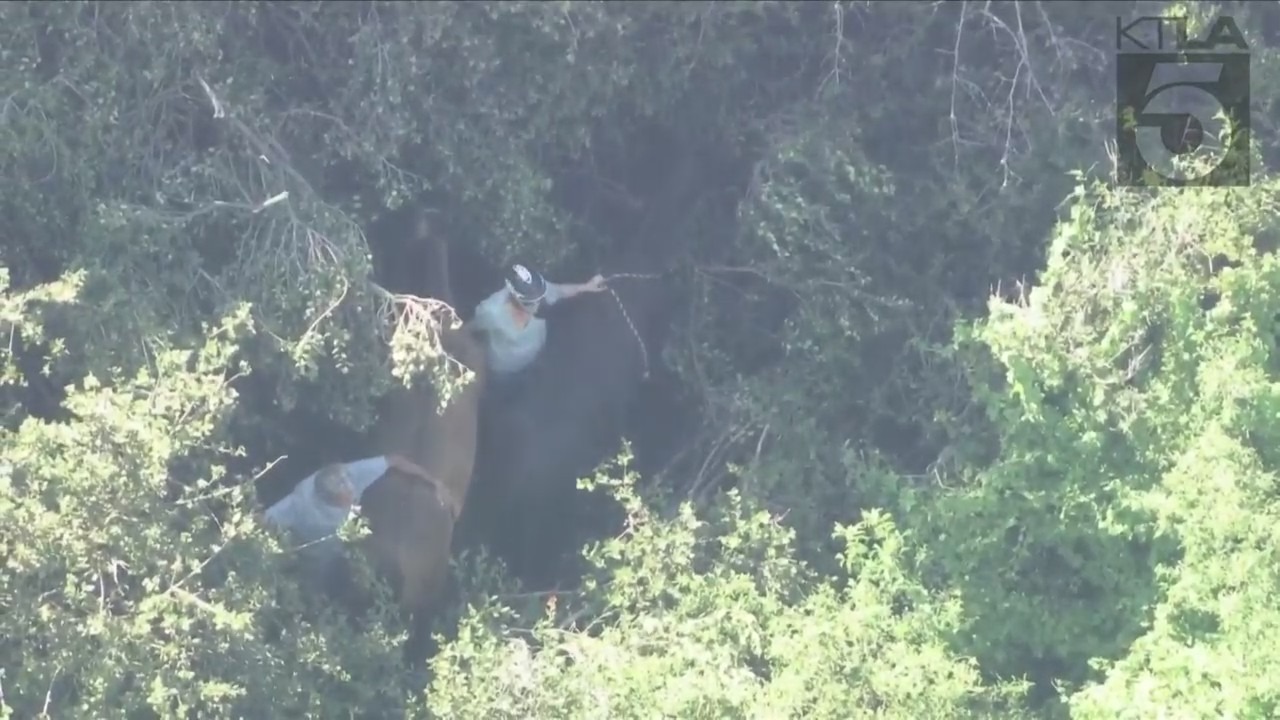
(1187, 104)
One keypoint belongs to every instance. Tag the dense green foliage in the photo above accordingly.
(999, 435)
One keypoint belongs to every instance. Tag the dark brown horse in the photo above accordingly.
(412, 514)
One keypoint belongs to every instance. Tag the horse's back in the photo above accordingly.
(411, 522)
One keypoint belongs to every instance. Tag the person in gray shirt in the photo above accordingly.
(513, 333)
(321, 502)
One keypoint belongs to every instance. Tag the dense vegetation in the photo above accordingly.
(964, 430)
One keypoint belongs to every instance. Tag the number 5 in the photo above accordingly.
(1171, 94)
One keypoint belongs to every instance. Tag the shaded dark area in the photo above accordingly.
(572, 407)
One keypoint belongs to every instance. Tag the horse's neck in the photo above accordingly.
(462, 346)
(436, 272)
(407, 411)
(400, 423)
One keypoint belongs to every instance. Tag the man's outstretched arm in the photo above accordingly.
(405, 465)
(563, 291)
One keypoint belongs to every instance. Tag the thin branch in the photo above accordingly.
(955, 81)
(837, 52)
(224, 491)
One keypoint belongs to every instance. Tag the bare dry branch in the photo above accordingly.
(837, 51)
(1030, 44)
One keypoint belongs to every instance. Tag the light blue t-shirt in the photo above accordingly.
(511, 348)
(315, 523)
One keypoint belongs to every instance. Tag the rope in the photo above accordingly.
(641, 276)
(644, 351)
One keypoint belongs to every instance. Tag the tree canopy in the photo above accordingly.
(950, 425)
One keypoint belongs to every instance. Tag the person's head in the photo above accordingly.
(333, 487)
(525, 287)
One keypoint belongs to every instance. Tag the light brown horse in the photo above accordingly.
(412, 511)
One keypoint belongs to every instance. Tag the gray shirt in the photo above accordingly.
(315, 523)
(510, 347)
